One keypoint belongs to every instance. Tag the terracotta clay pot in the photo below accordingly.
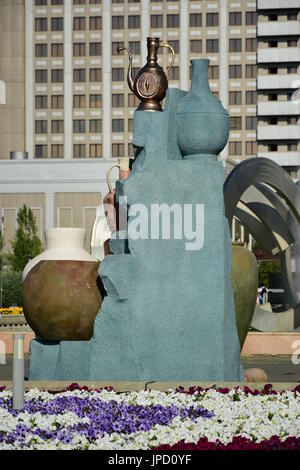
(60, 294)
(244, 281)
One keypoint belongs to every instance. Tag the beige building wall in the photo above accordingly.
(12, 72)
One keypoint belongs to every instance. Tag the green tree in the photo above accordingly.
(12, 288)
(264, 269)
(26, 243)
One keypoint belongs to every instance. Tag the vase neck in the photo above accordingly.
(67, 238)
(200, 82)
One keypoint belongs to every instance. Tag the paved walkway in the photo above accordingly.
(277, 368)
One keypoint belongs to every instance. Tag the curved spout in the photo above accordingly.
(130, 80)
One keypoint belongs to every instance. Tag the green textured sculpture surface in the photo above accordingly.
(169, 311)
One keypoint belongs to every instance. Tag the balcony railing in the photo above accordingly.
(283, 158)
(275, 82)
(279, 28)
(278, 55)
(287, 132)
(279, 108)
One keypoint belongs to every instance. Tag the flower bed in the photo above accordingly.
(79, 418)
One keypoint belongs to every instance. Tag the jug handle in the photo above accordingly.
(108, 180)
(163, 44)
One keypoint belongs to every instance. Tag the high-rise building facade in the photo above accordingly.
(70, 108)
(278, 132)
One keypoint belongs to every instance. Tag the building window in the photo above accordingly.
(251, 17)
(79, 126)
(57, 24)
(292, 147)
(115, 46)
(235, 97)
(79, 151)
(41, 151)
(41, 24)
(57, 101)
(57, 75)
(235, 148)
(57, 50)
(196, 46)
(41, 76)
(173, 21)
(117, 22)
(130, 125)
(212, 45)
(292, 16)
(57, 151)
(133, 101)
(95, 75)
(251, 44)
(235, 18)
(273, 97)
(292, 43)
(156, 21)
(57, 2)
(79, 23)
(292, 69)
(174, 73)
(213, 72)
(41, 50)
(251, 71)
(195, 19)
(41, 127)
(118, 125)
(291, 120)
(95, 125)
(131, 150)
(41, 101)
(117, 100)
(39, 3)
(79, 49)
(57, 126)
(94, 2)
(95, 22)
(79, 2)
(133, 21)
(235, 45)
(175, 45)
(95, 101)
(251, 97)
(79, 75)
(212, 19)
(118, 150)
(79, 101)
(236, 123)
(235, 71)
(117, 75)
(251, 148)
(95, 150)
(272, 147)
(272, 17)
(134, 47)
(251, 123)
(95, 48)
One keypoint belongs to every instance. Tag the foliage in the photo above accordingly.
(12, 288)
(264, 269)
(26, 243)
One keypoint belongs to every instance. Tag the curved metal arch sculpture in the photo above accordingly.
(272, 216)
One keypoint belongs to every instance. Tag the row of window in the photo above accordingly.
(75, 2)
(57, 101)
(80, 126)
(236, 123)
(57, 75)
(80, 150)
(118, 74)
(235, 97)
(95, 48)
(236, 148)
(133, 21)
(79, 101)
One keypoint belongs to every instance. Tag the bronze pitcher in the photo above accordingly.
(151, 83)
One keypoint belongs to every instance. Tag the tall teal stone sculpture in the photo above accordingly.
(169, 311)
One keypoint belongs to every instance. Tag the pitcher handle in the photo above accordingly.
(164, 44)
(108, 180)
